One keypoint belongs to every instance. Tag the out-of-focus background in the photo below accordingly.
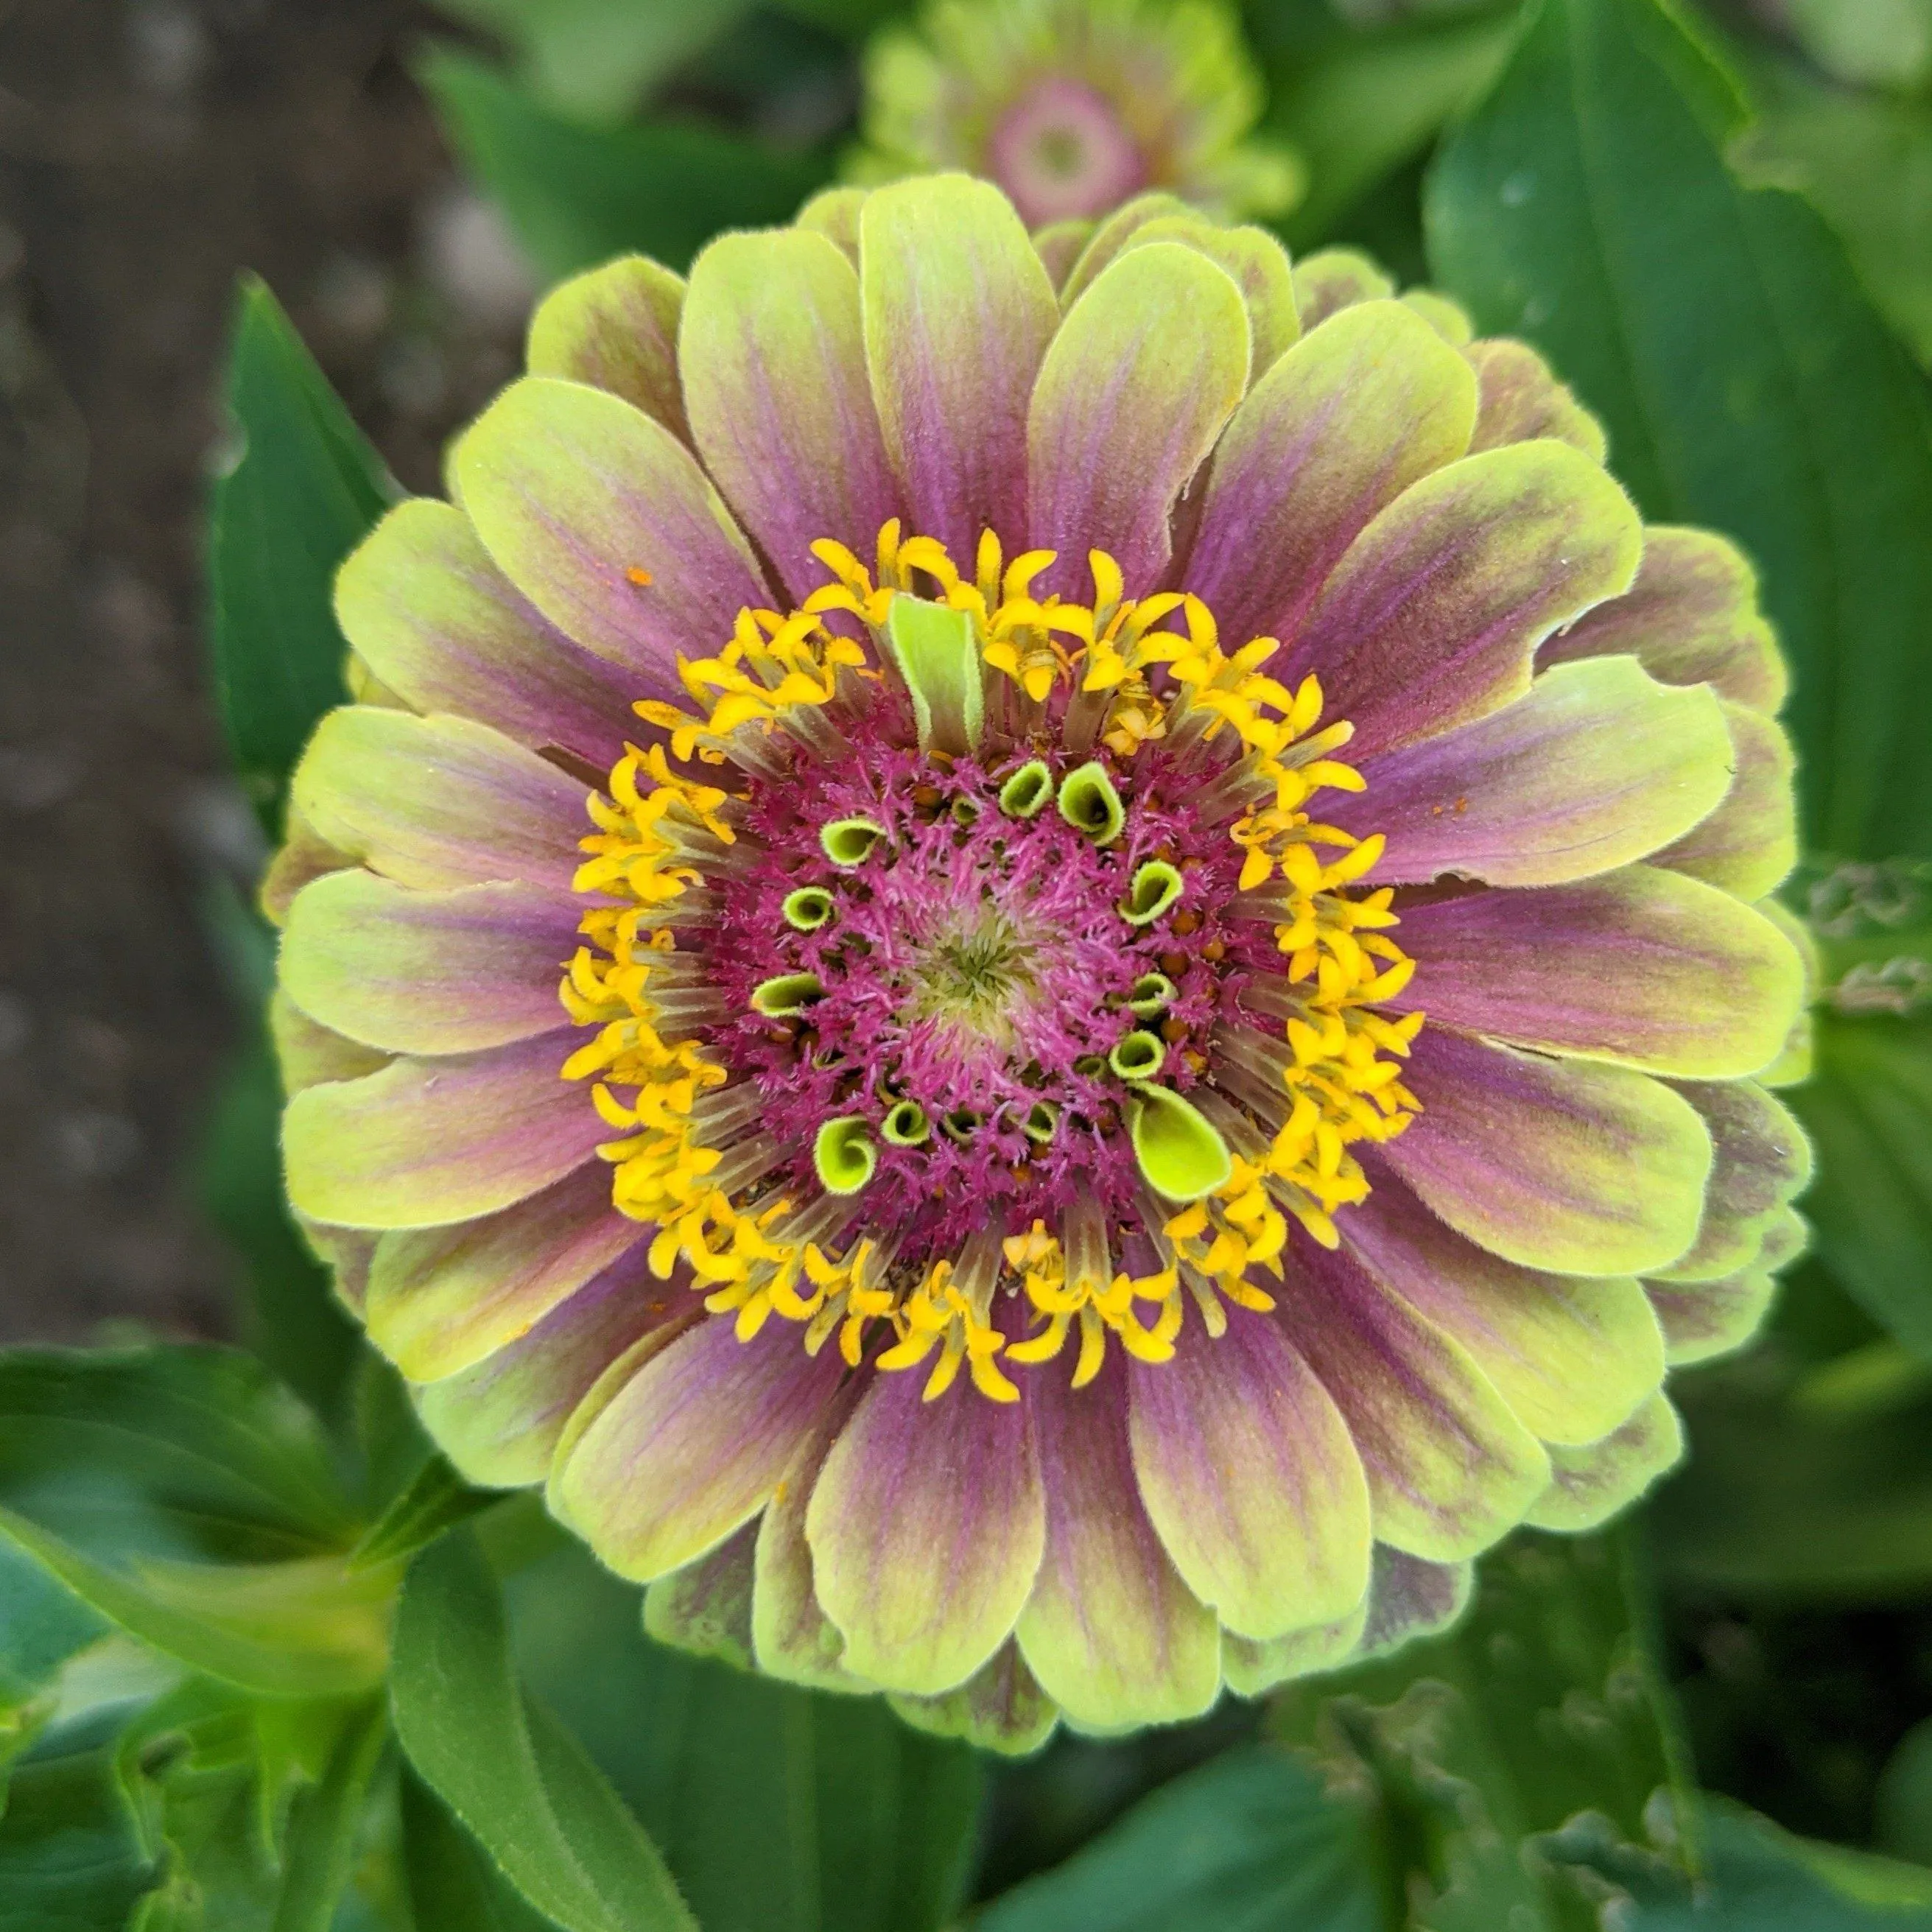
(149, 149)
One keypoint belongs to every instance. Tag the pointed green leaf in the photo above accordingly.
(937, 655)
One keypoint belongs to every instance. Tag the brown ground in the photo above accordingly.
(149, 149)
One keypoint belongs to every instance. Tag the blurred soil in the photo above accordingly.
(148, 150)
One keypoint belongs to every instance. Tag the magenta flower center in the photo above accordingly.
(1063, 153)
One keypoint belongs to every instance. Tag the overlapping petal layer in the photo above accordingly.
(1267, 1444)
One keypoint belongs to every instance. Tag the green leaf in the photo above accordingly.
(453, 1887)
(435, 1499)
(776, 1808)
(513, 1776)
(1249, 1842)
(297, 490)
(1868, 1110)
(41, 1626)
(1745, 380)
(319, 1853)
(576, 195)
(595, 58)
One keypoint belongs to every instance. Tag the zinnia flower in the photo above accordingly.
(1073, 107)
(1051, 992)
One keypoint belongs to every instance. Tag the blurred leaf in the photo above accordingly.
(1904, 1799)
(1760, 1879)
(1360, 106)
(319, 1856)
(509, 1770)
(1745, 380)
(576, 195)
(41, 1626)
(596, 59)
(1871, 43)
(1866, 161)
(436, 1498)
(452, 1886)
(853, 18)
(777, 1810)
(297, 490)
(1868, 1109)
(1249, 1843)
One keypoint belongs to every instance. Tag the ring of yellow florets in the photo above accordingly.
(1308, 1068)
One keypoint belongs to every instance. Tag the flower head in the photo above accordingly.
(1052, 990)
(1074, 106)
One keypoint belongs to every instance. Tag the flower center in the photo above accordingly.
(1062, 154)
(1006, 990)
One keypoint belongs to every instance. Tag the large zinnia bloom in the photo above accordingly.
(1072, 106)
(1050, 990)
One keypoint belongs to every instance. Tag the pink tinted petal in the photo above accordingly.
(1451, 1469)
(616, 329)
(706, 1607)
(1598, 765)
(1763, 1163)
(1344, 422)
(1411, 1597)
(1641, 966)
(1252, 1668)
(424, 972)
(441, 1299)
(1749, 844)
(309, 1054)
(926, 1526)
(1104, 241)
(1111, 1631)
(1566, 1165)
(1522, 401)
(572, 491)
(426, 1142)
(439, 802)
(1000, 1708)
(692, 1445)
(1248, 1473)
(1333, 279)
(773, 356)
(1691, 617)
(1059, 245)
(1589, 1486)
(958, 311)
(1145, 370)
(1433, 617)
(436, 621)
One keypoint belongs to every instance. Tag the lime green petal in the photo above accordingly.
(1259, 264)
(1763, 1163)
(958, 311)
(1448, 318)
(1591, 1485)
(1450, 1468)
(1692, 617)
(1572, 1355)
(773, 357)
(427, 972)
(303, 855)
(834, 213)
(1000, 1708)
(1336, 431)
(441, 1299)
(439, 625)
(1598, 765)
(1703, 1320)
(346, 1253)
(1059, 246)
(503, 1421)
(1334, 279)
(1522, 401)
(1252, 1668)
(1566, 1166)
(1111, 235)
(1248, 1474)
(926, 1525)
(616, 327)
(1433, 617)
(690, 1446)
(603, 520)
(439, 802)
(423, 1143)
(1409, 1596)
(1792, 1066)
(1111, 1631)
(1144, 373)
(1750, 844)
(706, 1607)
(309, 1054)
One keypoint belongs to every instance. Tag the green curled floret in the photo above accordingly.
(849, 841)
(906, 1125)
(961, 1125)
(1152, 993)
(1156, 886)
(1089, 803)
(844, 1154)
(1140, 1056)
(1029, 791)
(787, 995)
(809, 908)
(1180, 1153)
(1042, 1122)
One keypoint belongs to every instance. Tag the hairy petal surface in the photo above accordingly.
(1749, 844)
(1590, 1485)
(616, 329)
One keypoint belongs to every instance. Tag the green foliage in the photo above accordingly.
(577, 195)
(297, 488)
(1744, 380)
